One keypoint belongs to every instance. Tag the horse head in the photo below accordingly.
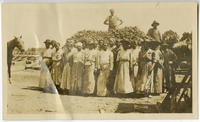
(19, 43)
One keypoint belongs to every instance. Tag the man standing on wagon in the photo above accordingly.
(112, 21)
(154, 33)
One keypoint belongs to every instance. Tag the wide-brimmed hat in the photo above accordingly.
(155, 23)
(47, 41)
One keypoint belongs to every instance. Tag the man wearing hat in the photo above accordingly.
(169, 58)
(112, 21)
(47, 55)
(154, 32)
(46, 83)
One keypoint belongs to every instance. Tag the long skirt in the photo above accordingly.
(56, 72)
(46, 82)
(145, 79)
(77, 77)
(103, 80)
(66, 77)
(122, 80)
(158, 79)
(89, 80)
(134, 72)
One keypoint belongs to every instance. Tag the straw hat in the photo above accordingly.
(78, 44)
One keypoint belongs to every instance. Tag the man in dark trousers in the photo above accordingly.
(153, 32)
(169, 63)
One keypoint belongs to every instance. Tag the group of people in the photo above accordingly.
(106, 68)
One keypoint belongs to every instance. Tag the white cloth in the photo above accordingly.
(105, 57)
(47, 53)
(122, 80)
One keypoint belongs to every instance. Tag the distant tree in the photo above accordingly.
(170, 37)
(183, 48)
(187, 36)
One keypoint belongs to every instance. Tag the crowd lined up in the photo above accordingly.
(105, 68)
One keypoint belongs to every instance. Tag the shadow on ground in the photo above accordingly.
(33, 88)
(137, 108)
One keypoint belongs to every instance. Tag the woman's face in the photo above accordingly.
(105, 46)
(90, 46)
(79, 48)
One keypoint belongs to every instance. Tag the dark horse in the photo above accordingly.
(16, 42)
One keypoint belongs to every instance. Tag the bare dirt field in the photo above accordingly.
(24, 98)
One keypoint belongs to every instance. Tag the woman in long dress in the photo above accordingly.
(46, 83)
(90, 66)
(144, 84)
(56, 66)
(66, 74)
(122, 81)
(77, 70)
(105, 65)
(158, 71)
(134, 62)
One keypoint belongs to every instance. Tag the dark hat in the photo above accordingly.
(47, 41)
(125, 42)
(155, 23)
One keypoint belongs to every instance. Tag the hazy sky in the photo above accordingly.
(37, 22)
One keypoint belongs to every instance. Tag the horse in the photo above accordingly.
(18, 43)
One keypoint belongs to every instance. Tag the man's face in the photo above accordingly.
(47, 45)
(155, 26)
(112, 12)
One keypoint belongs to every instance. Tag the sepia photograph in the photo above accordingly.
(100, 60)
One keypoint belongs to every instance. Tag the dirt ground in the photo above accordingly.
(25, 98)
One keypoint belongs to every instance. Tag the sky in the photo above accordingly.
(38, 22)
